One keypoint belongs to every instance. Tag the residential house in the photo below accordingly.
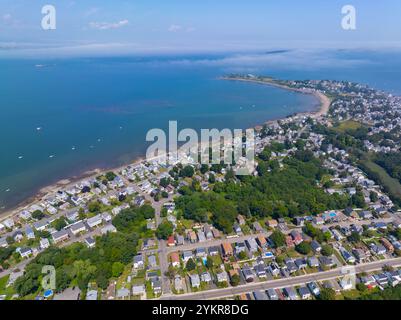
(201, 236)
(90, 242)
(222, 276)
(389, 247)
(25, 252)
(200, 252)
(213, 251)
(186, 255)
(175, 259)
(139, 262)
(208, 232)
(171, 241)
(290, 293)
(272, 223)
(247, 273)
(301, 263)
(326, 262)
(78, 227)
(313, 262)
(94, 221)
(304, 293)
(296, 237)
(257, 227)
(178, 284)
(44, 243)
(206, 277)
(227, 249)
(251, 245)
(316, 247)
(195, 280)
(359, 254)
(241, 220)
(59, 236)
(139, 290)
(108, 228)
(261, 241)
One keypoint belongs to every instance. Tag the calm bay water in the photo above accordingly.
(96, 112)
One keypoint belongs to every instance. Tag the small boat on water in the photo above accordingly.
(51, 156)
(20, 157)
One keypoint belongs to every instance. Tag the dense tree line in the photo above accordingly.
(77, 265)
(391, 162)
(276, 192)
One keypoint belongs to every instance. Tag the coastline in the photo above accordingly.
(44, 192)
(324, 100)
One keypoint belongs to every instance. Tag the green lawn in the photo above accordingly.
(348, 125)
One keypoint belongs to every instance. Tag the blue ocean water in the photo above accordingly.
(62, 117)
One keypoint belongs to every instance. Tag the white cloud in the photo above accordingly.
(108, 25)
(174, 28)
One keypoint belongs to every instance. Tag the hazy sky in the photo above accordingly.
(155, 26)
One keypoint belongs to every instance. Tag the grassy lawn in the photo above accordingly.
(4, 290)
(348, 125)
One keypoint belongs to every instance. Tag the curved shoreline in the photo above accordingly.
(46, 191)
(325, 101)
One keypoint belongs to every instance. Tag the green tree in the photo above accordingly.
(278, 238)
(190, 265)
(164, 230)
(94, 206)
(304, 247)
(327, 250)
(38, 215)
(59, 223)
(117, 269)
(327, 294)
(235, 280)
(187, 171)
(209, 262)
(110, 176)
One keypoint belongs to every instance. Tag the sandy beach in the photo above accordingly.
(325, 101)
(45, 192)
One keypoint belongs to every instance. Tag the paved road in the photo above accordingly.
(158, 205)
(280, 283)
